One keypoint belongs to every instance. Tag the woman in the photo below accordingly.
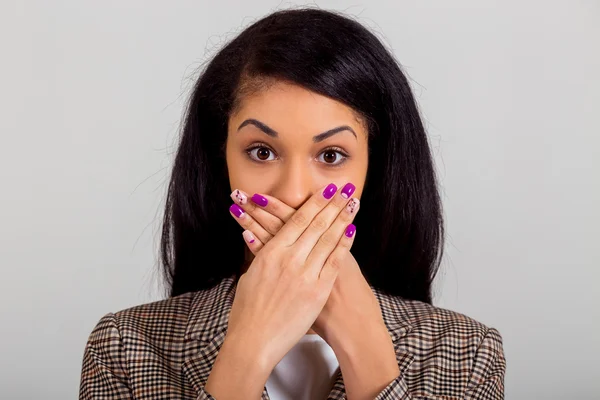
(303, 119)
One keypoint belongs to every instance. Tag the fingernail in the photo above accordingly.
(329, 191)
(239, 197)
(350, 230)
(236, 210)
(260, 200)
(248, 236)
(348, 190)
(353, 205)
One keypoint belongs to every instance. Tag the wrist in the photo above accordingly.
(238, 369)
(349, 335)
(368, 363)
(352, 345)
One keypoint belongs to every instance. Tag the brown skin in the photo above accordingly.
(288, 170)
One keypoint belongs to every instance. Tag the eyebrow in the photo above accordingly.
(317, 138)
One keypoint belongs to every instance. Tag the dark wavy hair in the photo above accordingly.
(400, 237)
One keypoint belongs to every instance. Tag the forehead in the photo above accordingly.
(283, 105)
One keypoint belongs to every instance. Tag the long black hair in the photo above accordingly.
(400, 237)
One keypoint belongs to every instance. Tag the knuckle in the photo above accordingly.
(275, 226)
(274, 207)
(299, 219)
(319, 224)
(335, 261)
(328, 239)
(249, 223)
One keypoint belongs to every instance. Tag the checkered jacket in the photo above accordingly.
(166, 349)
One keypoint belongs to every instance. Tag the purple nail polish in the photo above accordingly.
(329, 191)
(348, 190)
(350, 230)
(236, 210)
(260, 200)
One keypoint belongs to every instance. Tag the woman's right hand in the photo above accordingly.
(287, 284)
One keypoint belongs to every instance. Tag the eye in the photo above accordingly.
(333, 157)
(260, 153)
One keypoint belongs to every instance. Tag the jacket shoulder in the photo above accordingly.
(425, 317)
(170, 316)
(158, 317)
(463, 355)
(128, 349)
(155, 322)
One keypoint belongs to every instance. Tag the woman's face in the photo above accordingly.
(287, 142)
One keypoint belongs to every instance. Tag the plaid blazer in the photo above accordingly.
(166, 349)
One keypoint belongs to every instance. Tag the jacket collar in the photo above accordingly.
(209, 316)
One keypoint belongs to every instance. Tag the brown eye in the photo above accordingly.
(333, 157)
(263, 153)
(330, 157)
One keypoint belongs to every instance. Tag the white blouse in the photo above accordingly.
(306, 372)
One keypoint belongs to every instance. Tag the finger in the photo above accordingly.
(348, 237)
(247, 222)
(320, 229)
(329, 272)
(340, 234)
(254, 244)
(269, 221)
(301, 219)
(273, 206)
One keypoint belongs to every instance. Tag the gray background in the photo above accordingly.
(91, 95)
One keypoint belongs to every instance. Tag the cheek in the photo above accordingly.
(246, 176)
(354, 172)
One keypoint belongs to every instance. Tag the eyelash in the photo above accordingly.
(338, 150)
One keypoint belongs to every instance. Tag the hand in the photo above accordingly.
(291, 276)
(351, 321)
(351, 305)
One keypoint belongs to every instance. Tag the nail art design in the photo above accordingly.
(353, 205)
(329, 191)
(348, 190)
(248, 236)
(350, 230)
(239, 197)
(260, 200)
(236, 210)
